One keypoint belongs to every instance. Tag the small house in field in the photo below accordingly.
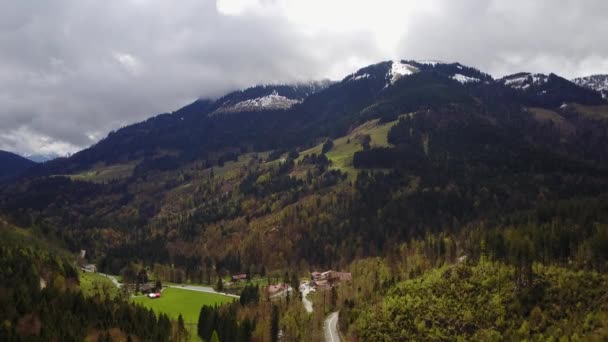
(147, 288)
(278, 290)
(239, 277)
(154, 295)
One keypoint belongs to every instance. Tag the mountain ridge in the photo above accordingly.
(13, 165)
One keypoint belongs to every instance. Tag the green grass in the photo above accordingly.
(341, 155)
(101, 174)
(88, 282)
(174, 302)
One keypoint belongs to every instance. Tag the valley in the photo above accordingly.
(443, 203)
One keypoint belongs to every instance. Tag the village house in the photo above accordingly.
(239, 277)
(329, 278)
(278, 290)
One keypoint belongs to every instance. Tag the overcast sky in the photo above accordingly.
(73, 70)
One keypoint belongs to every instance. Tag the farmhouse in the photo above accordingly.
(239, 277)
(329, 278)
(278, 290)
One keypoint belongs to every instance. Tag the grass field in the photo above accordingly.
(94, 283)
(175, 301)
(341, 155)
(101, 174)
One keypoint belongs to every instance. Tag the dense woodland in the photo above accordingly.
(41, 300)
(474, 191)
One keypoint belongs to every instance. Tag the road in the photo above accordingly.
(305, 289)
(112, 278)
(185, 287)
(331, 328)
(201, 289)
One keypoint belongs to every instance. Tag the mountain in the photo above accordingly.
(12, 165)
(418, 117)
(41, 158)
(598, 83)
(267, 97)
(550, 90)
(425, 180)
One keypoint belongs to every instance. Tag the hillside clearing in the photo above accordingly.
(341, 155)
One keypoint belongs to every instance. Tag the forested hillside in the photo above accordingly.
(12, 165)
(41, 298)
(449, 179)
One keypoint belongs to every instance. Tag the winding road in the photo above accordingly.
(113, 279)
(331, 328)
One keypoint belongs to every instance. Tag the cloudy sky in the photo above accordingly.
(73, 70)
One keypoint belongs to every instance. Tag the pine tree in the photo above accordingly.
(220, 284)
(182, 333)
(274, 324)
(214, 337)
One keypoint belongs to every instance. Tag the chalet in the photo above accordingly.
(321, 284)
(275, 289)
(329, 278)
(239, 277)
(147, 287)
(278, 290)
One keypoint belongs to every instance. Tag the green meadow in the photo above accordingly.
(187, 302)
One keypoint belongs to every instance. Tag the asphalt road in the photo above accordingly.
(112, 278)
(331, 328)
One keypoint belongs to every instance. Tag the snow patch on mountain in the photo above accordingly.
(400, 69)
(524, 80)
(355, 77)
(465, 79)
(273, 101)
(429, 62)
(595, 82)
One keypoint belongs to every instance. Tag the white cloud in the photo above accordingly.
(73, 70)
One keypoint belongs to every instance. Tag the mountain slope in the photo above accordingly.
(598, 83)
(430, 182)
(12, 165)
(550, 90)
(393, 151)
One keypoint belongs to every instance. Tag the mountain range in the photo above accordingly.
(266, 117)
(463, 205)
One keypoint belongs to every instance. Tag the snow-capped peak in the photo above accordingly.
(400, 69)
